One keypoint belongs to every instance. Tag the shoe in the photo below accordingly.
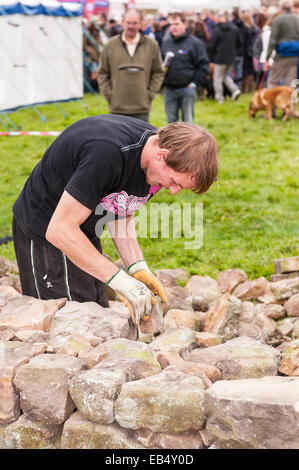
(235, 94)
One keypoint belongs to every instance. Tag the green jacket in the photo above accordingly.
(285, 28)
(129, 84)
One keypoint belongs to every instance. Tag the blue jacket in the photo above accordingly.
(189, 64)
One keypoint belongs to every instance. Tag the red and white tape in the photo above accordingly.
(15, 133)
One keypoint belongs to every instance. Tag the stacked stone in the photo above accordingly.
(221, 355)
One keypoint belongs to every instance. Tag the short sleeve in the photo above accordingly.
(98, 171)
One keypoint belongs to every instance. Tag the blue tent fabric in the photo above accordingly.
(46, 8)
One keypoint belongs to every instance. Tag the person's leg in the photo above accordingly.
(289, 70)
(239, 71)
(188, 96)
(171, 105)
(228, 81)
(46, 273)
(218, 82)
(275, 73)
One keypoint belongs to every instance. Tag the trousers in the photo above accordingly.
(283, 71)
(46, 273)
(179, 99)
(221, 75)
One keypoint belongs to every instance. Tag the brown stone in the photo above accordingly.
(228, 280)
(166, 279)
(292, 306)
(267, 297)
(281, 277)
(92, 356)
(274, 311)
(285, 327)
(74, 345)
(250, 290)
(80, 433)
(30, 336)
(26, 433)
(206, 339)
(7, 334)
(155, 323)
(199, 304)
(178, 274)
(4, 266)
(169, 358)
(176, 318)
(178, 297)
(203, 286)
(43, 387)
(28, 313)
(12, 355)
(289, 365)
(146, 437)
(286, 265)
(191, 369)
(283, 290)
(186, 440)
(223, 319)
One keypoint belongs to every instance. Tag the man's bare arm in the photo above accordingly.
(64, 232)
(124, 237)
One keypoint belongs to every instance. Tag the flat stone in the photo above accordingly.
(95, 391)
(166, 402)
(13, 354)
(181, 340)
(204, 286)
(191, 369)
(206, 339)
(167, 279)
(250, 290)
(74, 345)
(28, 313)
(31, 336)
(223, 317)
(80, 433)
(91, 321)
(43, 387)
(3, 428)
(178, 274)
(292, 306)
(239, 358)
(286, 265)
(126, 349)
(254, 413)
(285, 327)
(169, 358)
(176, 318)
(281, 277)
(228, 280)
(285, 289)
(26, 433)
(187, 440)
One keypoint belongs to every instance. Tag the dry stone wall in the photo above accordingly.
(217, 367)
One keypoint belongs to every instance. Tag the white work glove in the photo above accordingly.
(141, 271)
(134, 294)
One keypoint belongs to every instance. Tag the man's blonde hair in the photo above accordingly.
(192, 150)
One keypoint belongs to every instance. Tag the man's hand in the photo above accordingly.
(134, 294)
(141, 271)
(266, 66)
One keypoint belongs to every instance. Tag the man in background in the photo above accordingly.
(131, 70)
(187, 69)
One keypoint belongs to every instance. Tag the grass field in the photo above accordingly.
(250, 215)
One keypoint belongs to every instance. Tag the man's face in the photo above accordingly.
(158, 173)
(177, 27)
(131, 25)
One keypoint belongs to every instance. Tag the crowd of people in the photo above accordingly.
(189, 56)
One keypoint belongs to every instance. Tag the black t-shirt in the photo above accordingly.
(97, 161)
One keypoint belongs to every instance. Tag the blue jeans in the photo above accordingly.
(237, 71)
(176, 99)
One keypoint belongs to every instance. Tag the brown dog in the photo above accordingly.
(269, 99)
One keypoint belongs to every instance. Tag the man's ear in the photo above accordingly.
(162, 154)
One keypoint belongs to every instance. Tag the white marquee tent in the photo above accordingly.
(40, 52)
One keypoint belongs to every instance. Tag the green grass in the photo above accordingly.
(250, 214)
